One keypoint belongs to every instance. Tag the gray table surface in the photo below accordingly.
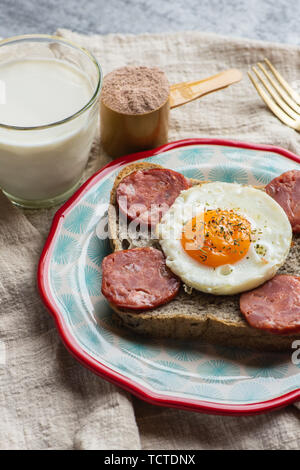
(271, 20)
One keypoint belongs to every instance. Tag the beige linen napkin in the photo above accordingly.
(48, 400)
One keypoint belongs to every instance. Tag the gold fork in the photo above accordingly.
(280, 97)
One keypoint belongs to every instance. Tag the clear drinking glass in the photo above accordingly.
(42, 165)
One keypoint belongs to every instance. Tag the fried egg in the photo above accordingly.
(224, 238)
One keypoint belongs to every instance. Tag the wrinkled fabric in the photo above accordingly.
(47, 399)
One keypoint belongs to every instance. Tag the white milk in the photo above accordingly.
(41, 164)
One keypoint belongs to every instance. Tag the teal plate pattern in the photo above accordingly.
(183, 370)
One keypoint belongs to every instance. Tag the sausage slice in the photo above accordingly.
(275, 306)
(138, 279)
(145, 195)
(285, 189)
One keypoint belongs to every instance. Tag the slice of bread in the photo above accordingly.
(216, 319)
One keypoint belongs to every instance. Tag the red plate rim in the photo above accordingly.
(97, 367)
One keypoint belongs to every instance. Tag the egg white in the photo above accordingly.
(269, 225)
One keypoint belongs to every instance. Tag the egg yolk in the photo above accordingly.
(217, 237)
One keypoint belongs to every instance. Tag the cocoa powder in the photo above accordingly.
(135, 90)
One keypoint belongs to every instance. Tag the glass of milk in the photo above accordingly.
(49, 103)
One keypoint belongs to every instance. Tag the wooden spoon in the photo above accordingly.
(184, 92)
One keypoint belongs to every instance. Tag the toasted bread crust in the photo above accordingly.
(181, 318)
(209, 328)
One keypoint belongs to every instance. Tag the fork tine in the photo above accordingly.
(280, 90)
(276, 96)
(283, 82)
(272, 105)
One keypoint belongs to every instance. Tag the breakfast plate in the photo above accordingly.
(184, 374)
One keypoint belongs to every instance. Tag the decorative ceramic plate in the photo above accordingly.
(185, 374)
